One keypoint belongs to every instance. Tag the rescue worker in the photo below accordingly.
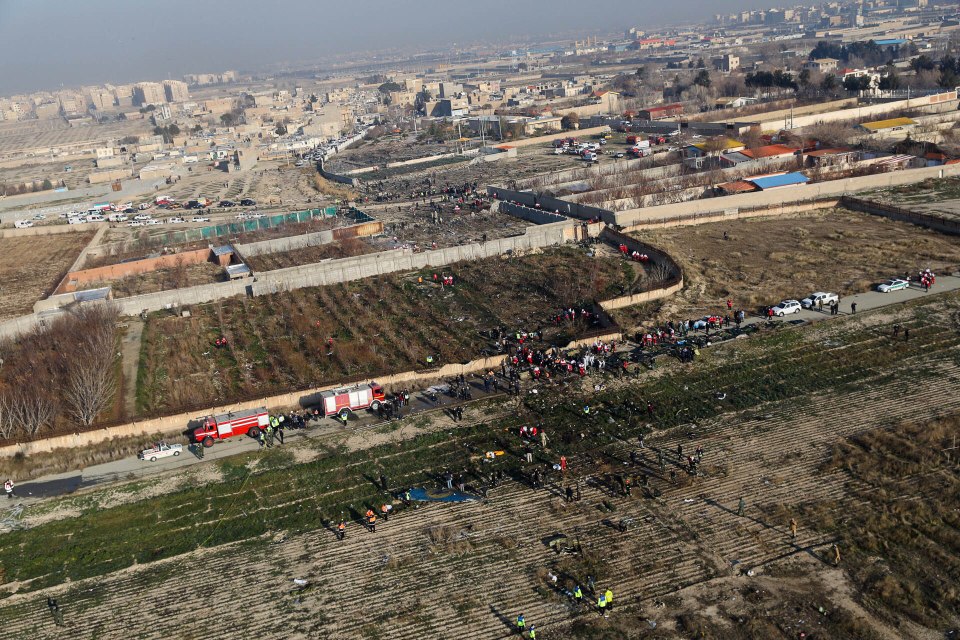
(385, 510)
(269, 435)
(741, 506)
(372, 521)
(793, 528)
(578, 594)
(602, 605)
(533, 632)
(8, 486)
(199, 446)
(279, 428)
(341, 530)
(608, 596)
(521, 624)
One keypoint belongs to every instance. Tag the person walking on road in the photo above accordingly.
(741, 506)
(793, 528)
(853, 307)
(8, 486)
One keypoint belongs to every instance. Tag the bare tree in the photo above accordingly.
(30, 411)
(90, 378)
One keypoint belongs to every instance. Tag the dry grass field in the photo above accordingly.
(32, 266)
(764, 260)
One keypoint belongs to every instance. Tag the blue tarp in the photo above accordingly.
(445, 495)
(784, 180)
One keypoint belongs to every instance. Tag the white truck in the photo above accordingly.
(160, 450)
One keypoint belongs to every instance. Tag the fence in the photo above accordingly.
(198, 234)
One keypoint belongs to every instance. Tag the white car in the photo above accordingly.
(785, 307)
(75, 220)
(199, 219)
(154, 221)
(257, 216)
(815, 299)
(142, 216)
(135, 224)
(161, 450)
(176, 220)
(893, 284)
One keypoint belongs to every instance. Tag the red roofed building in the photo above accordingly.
(658, 113)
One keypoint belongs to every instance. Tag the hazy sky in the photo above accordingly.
(46, 43)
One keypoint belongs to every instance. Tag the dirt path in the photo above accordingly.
(130, 356)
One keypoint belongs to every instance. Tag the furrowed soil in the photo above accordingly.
(815, 425)
(378, 326)
(765, 260)
(32, 266)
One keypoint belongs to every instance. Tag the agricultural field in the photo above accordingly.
(32, 266)
(764, 260)
(378, 325)
(680, 559)
(189, 275)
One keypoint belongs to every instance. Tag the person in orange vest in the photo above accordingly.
(385, 510)
(563, 464)
(341, 530)
(371, 520)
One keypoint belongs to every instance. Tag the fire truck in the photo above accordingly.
(234, 423)
(340, 402)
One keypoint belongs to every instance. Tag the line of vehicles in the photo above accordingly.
(638, 146)
(135, 216)
(337, 402)
(823, 299)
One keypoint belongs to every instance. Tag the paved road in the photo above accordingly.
(131, 467)
(128, 468)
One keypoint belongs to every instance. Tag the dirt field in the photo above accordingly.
(31, 267)
(163, 280)
(332, 251)
(691, 562)
(765, 260)
(379, 325)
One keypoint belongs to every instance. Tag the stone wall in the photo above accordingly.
(74, 279)
(291, 243)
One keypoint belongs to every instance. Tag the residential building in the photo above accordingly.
(823, 65)
(176, 91)
(726, 63)
(660, 112)
(146, 93)
(892, 125)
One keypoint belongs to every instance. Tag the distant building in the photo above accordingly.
(891, 125)
(145, 93)
(823, 65)
(726, 63)
(175, 91)
(663, 111)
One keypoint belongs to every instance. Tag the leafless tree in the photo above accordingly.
(90, 378)
(29, 411)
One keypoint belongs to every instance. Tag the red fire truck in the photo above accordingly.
(234, 423)
(340, 402)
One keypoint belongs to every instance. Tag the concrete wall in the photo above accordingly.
(291, 243)
(904, 215)
(733, 214)
(50, 229)
(402, 163)
(944, 100)
(780, 197)
(537, 216)
(336, 177)
(375, 264)
(75, 279)
(526, 142)
(550, 204)
(640, 298)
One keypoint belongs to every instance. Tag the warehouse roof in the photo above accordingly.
(891, 123)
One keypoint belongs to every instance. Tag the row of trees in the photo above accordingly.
(66, 371)
(25, 187)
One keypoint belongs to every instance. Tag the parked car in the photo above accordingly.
(227, 203)
(176, 220)
(620, 155)
(785, 307)
(815, 299)
(257, 216)
(199, 219)
(161, 450)
(893, 284)
(154, 221)
(23, 224)
(247, 202)
(242, 216)
(135, 223)
(142, 216)
(129, 210)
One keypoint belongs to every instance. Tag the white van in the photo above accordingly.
(23, 224)
(95, 217)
